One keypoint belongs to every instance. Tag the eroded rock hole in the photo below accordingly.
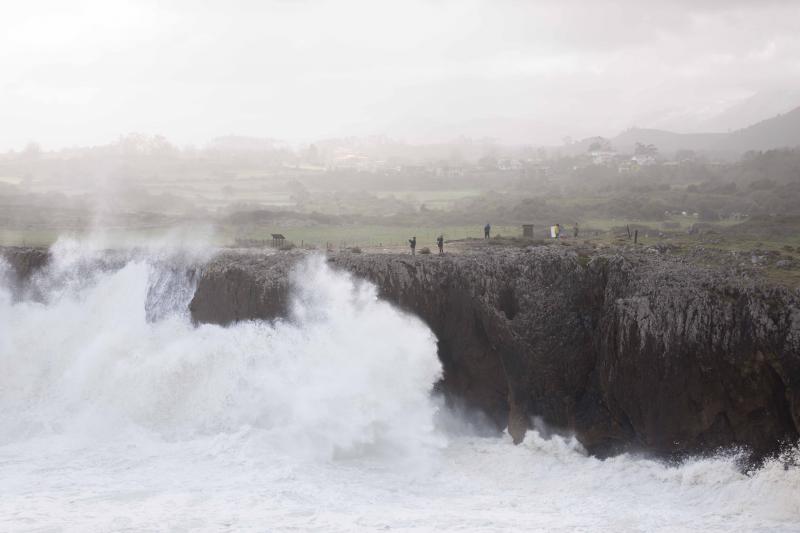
(508, 303)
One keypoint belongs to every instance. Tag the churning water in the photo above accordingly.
(117, 414)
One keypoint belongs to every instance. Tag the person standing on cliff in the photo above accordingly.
(575, 230)
(440, 244)
(486, 230)
(413, 243)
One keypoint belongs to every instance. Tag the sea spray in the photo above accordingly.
(344, 374)
(116, 412)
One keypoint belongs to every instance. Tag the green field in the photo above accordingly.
(337, 236)
(366, 235)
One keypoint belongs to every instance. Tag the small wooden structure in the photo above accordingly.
(527, 230)
(278, 240)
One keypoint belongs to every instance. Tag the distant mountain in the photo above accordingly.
(778, 132)
(241, 143)
(750, 110)
(667, 141)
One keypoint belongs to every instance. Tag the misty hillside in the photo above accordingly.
(667, 141)
(782, 131)
(768, 103)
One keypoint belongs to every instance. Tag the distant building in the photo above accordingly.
(361, 163)
(644, 160)
(509, 164)
(350, 161)
(602, 157)
(628, 167)
(448, 171)
(536, 171)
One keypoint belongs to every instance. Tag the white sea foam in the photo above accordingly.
(116, 413)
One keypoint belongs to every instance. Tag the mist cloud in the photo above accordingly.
(82, 73)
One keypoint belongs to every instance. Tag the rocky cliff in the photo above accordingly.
(24, 261)
(17, 264)
(630, 351)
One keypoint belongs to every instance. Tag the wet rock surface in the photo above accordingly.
(630, 351)
(24, 261)
(18, 264)
(243, 286)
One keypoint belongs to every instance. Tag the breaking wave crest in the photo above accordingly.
(117, 413)
(108, 346)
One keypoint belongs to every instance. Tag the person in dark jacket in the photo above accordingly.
(440, 244)
(413, 243)
(486, 230)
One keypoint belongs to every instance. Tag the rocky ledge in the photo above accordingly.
(630, 351)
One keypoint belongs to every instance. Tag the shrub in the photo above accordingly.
(355, 250)
(425, 250)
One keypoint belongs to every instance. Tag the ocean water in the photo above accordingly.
(117, 414)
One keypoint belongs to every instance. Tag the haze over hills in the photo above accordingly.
(333, 265)
(778, 132)
(751, 110)
(781, 131)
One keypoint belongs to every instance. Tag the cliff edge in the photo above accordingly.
(630, 350)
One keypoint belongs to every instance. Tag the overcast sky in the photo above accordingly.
(77, 73)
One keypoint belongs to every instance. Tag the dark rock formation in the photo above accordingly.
(514, 328)
(631, 353)
(24, 260)
(692, 361)
(243, 286)
(21, 263)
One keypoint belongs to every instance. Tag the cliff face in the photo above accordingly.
(242, 286)
(712, 361)
(24, 261)
(629, 352)
(514, 328)
(636, 353)
(21, 263)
